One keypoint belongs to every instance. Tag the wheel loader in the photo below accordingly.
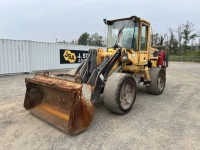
(67, 100)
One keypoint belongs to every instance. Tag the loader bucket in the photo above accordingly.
(65, 104)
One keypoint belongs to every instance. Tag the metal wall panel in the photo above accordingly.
(14, 56)
(26, 56)
(46, 56)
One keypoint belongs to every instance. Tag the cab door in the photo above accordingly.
(143, 44)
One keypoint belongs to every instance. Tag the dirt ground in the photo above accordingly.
(168, 121)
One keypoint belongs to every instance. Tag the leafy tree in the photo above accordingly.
(199, 43)
(93, 40)
(97, 40)
(161, 40)
(73, 42)
(155, 39)
(166, 41)
(171, 32)
(179, 37)
(173, 42)
(187, 33)
(83, 39)
(174, 46)
(63, 42)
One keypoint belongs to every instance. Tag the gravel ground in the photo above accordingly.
(168, 121)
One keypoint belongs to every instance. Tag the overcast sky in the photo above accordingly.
(45, 20)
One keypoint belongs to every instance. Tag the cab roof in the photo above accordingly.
(109, 22)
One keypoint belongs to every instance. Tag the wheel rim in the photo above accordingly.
(127, 94)
(161, 81)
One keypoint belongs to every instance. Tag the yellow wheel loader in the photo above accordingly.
(66, 100)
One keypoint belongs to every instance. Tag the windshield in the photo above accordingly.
(125, 38)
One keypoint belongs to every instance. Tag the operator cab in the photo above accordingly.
(128, 33)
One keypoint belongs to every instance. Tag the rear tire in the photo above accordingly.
(158, 79)
(120, 93)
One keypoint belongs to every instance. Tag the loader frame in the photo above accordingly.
(67, 100)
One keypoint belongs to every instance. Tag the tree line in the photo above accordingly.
(92, 40)
(87, 39)
(179, 39)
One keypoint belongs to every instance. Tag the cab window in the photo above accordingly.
(143, 45)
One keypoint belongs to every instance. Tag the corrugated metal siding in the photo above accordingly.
(27, 56)
(14, 56)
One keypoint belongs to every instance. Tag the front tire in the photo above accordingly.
(120, 93)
